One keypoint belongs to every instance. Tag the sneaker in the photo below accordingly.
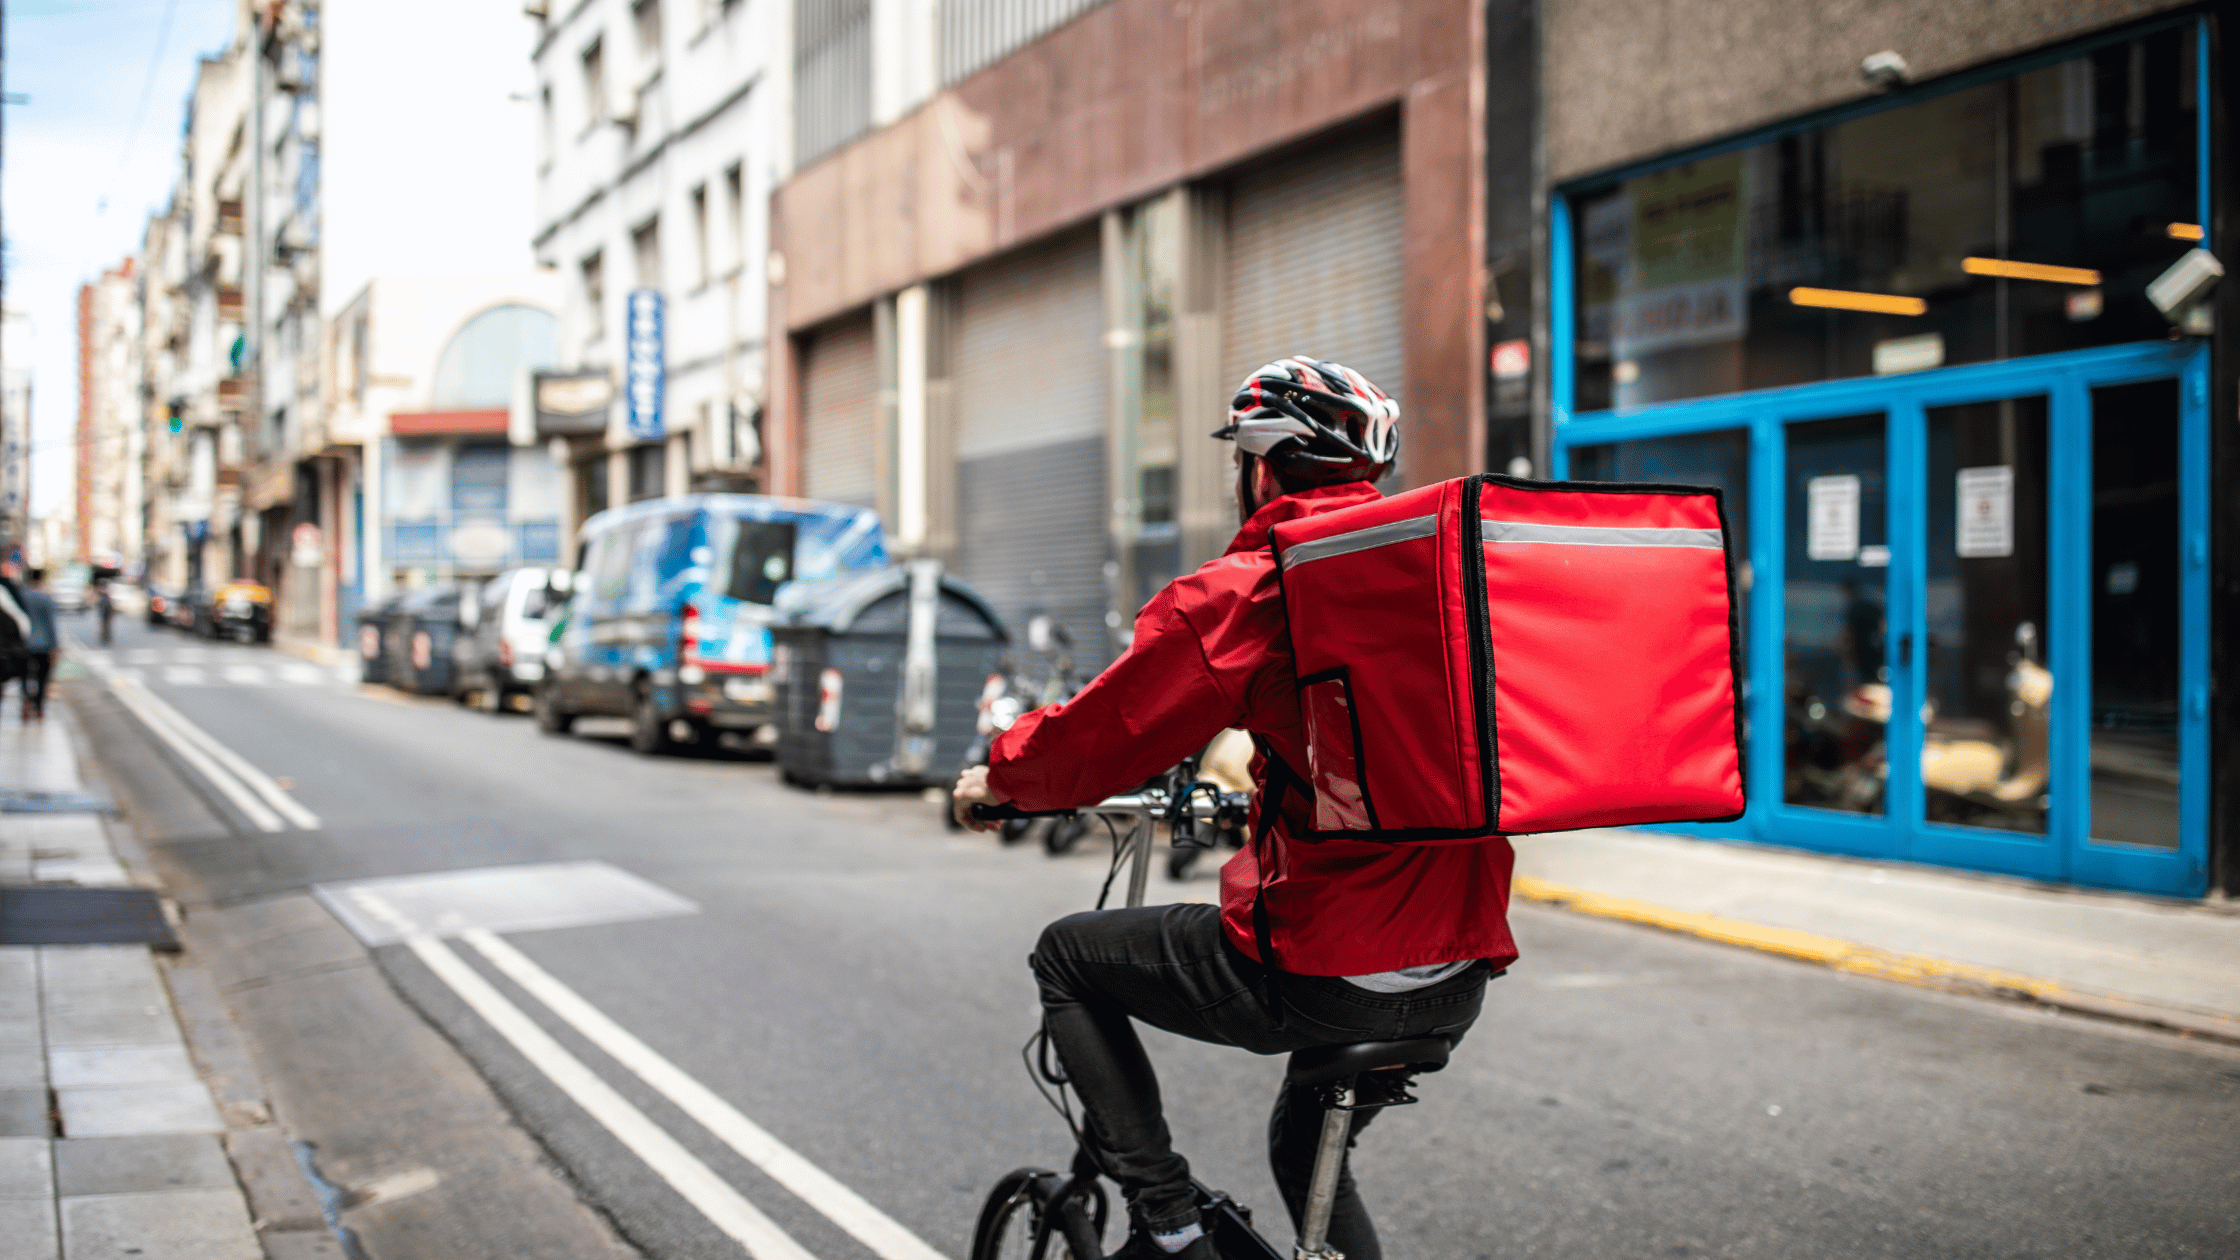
(1141, 1246)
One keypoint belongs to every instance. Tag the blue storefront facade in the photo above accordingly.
(1969, 463)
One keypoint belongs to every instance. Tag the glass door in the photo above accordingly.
(1987, 781)
(1837, 663)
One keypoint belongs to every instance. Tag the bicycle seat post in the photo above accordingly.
(1322, 1190)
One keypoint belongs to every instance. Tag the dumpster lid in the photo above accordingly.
(834, 605)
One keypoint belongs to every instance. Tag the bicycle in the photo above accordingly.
(1030, 1208)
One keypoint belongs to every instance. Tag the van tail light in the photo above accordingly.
(688, 639)
(828, 700)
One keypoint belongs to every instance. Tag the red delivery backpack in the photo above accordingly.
(1495, 656)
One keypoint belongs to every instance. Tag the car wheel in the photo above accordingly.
(649, 731)
(551, 718)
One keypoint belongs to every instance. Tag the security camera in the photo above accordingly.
(1885, 70)
(2182, 292)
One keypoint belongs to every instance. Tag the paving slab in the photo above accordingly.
(2179, 955)
(26, 1168)
(28, 1225)
(183, 1107)
(23, 1113)
(148, 1163)
(180, 1225)
(90, 1067)
(22, 1066)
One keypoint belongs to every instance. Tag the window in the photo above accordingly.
(645, 17)
(594, 85)
(594, 271)
(645, 246)
(761, 560)
(648, 467)
(700, 261)
(478, 366)
(2018, 217)
(547, 141)
(735, 205)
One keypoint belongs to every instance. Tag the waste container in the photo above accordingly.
(878, 676)
(418, 637)
(373, 651)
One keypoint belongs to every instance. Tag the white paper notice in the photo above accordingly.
(1833, 502)
(1986, 526)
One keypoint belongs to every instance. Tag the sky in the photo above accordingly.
(80, 178)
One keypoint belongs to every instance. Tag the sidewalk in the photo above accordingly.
(110, 1142)
(2174, 965)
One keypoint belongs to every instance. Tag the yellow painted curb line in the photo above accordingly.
(1867, 960)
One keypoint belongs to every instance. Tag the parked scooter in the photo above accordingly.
(1009, 694)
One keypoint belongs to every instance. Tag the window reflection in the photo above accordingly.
(1846, 251)
(2135, 611)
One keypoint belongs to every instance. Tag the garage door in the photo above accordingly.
(840, 413)
(1313, 264)
(1030, 387)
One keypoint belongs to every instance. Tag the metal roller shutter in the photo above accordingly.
(1313, 264)
(1030, 377)
(840, 413)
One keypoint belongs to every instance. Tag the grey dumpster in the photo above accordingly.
(862, 700)
(373, 651)
(417, 640)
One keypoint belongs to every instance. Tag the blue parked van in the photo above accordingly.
(669, 608)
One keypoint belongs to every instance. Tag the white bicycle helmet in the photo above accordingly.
(1315, 421)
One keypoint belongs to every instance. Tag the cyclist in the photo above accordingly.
(1375, 941)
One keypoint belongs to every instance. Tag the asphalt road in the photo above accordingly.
(854, 981)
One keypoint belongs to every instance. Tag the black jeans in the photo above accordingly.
(36, 668)
(1173, 968)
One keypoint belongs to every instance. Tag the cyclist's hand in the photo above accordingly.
(973, 789)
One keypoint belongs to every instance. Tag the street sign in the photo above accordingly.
(571, 404)
(645, 375)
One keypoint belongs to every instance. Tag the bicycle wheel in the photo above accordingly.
(1012, 1219)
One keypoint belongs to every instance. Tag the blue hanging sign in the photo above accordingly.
(645, 375)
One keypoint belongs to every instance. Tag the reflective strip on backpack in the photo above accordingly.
(1597, 535)
(1362, 540)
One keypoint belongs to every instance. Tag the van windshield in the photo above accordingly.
(761, 560)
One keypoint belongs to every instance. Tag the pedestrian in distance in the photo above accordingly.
(104, 607)
(1375, 941)
(39, 644)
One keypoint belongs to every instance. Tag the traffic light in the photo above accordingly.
(176, 409)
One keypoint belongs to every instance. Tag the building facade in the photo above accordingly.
(15, 435)
(110, 430)
(1015, 295)
(1885, 281)
(423, 374)
(661, 128)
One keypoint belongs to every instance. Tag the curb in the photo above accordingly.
(1867, 960)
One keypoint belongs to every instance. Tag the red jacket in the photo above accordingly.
(1212, 651)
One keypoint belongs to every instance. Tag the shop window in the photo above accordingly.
(2135, 614)
(2019, 217)
(478, 480)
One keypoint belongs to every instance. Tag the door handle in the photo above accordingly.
(1905, 649)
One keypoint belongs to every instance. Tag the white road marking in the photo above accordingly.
(298, 672)
(142, 656)
(225, 769)
(142, 702)
(819, 1189)
(245, 675)
(724, 1207)
(184, 675)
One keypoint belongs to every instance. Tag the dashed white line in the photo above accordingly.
(715, 1199)
(184, 675)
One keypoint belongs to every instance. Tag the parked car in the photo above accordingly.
(188, 607)
(69, 589)
(669, 609)
(417, 640)
(499, 656)
(239, 610)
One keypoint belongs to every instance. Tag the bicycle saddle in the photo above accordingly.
(1319, 1064)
